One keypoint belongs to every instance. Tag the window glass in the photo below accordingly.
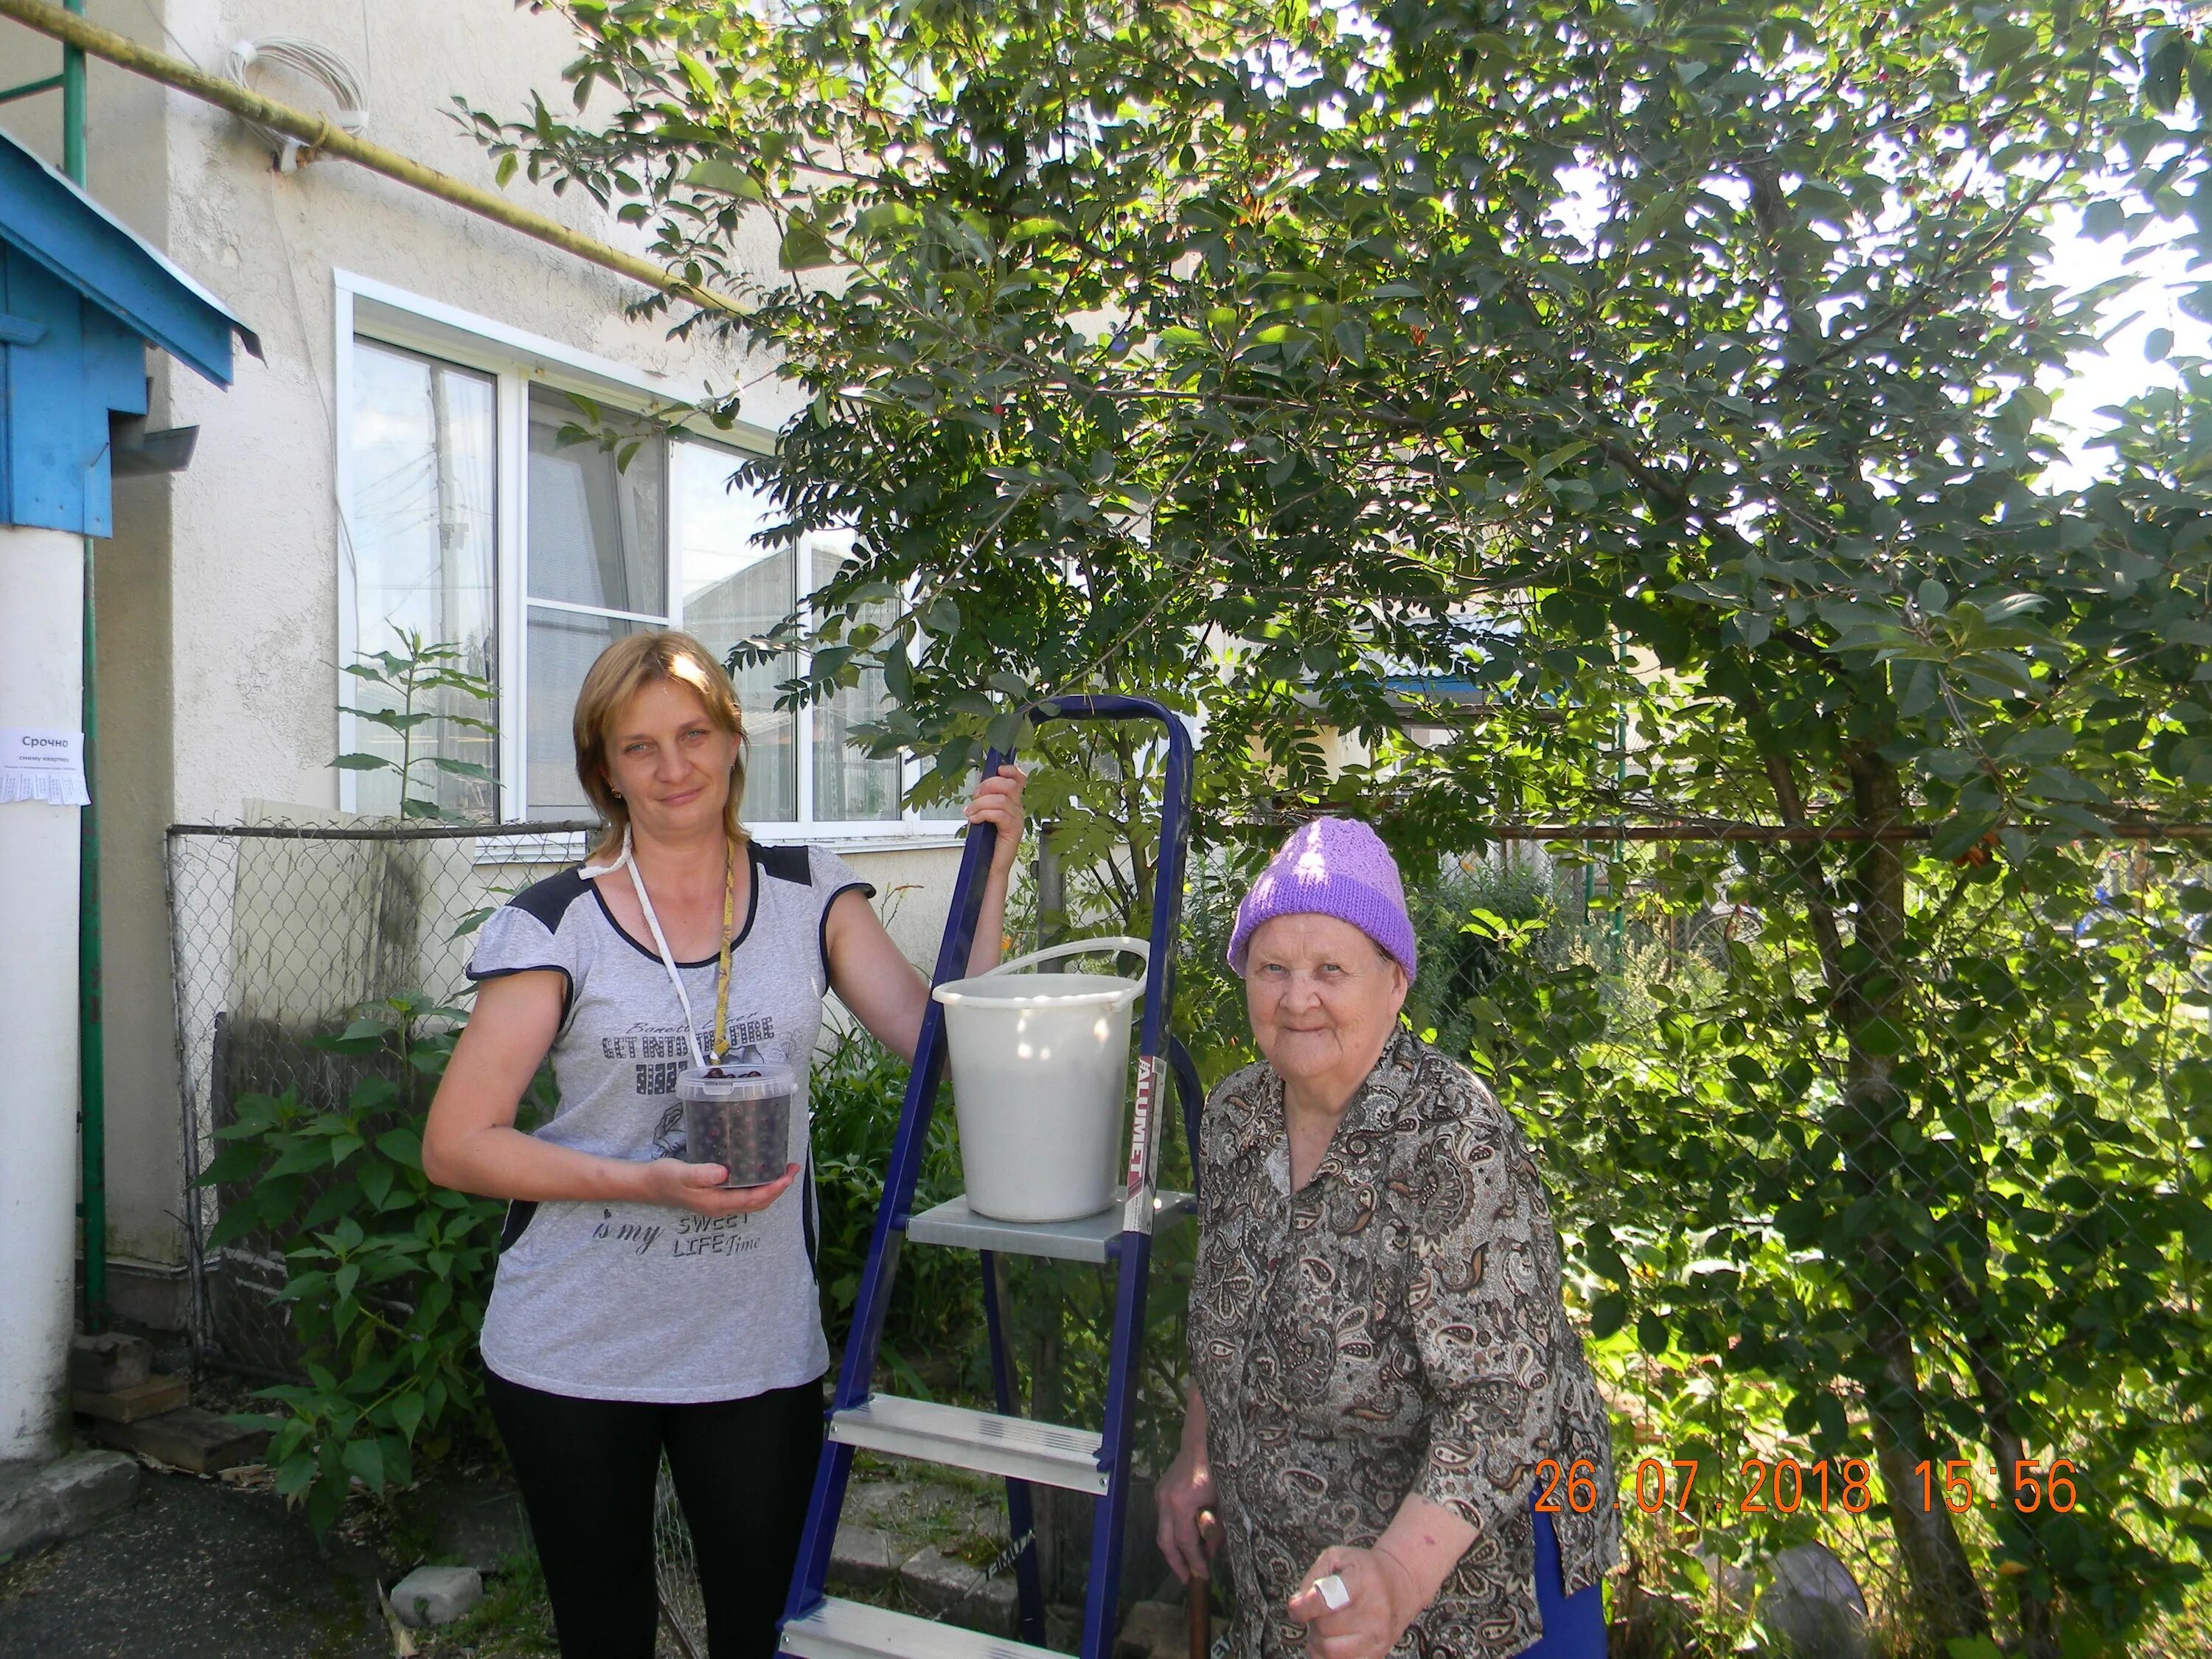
(597, 534)
(597, 542)
(849, 786)
(733, 589)
(420, 533)
(562, 645)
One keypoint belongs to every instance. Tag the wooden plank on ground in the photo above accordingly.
(189, 1439)
(150, 1398)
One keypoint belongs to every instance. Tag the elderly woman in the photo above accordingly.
(1380, 1356)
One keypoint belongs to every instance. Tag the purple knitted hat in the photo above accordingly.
(1332, 867)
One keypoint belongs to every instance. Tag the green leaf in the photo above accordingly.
(295, 1473)
(461, 769)
(726, 177)
(1608, 1313)
(697, 75)
(1952, 837)
(233, 1163)
(803, 248)
(407, 1414)
(395, 720)
(364, 1461)
(362, 762)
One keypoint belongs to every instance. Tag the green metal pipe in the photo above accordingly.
(92, 1050)
(73, 103)
(29, 89)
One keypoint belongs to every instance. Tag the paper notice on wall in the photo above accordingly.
(38, 764)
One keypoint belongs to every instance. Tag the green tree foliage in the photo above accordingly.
(1676, 375)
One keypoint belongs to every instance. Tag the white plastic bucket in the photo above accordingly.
(1040, 1075)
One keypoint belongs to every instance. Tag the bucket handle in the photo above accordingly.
(1140, 949)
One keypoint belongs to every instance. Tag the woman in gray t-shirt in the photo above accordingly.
(641, 1307)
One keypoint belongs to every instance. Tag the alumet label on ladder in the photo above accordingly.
(1143, 1143)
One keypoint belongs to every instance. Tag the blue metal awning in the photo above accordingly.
(81, 297)
(49, 219)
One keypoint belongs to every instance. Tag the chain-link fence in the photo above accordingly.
(1923, 1283)
(279, 931)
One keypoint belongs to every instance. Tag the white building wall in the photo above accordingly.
(219, 602)
(257, 529)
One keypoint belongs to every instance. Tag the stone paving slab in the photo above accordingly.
(864, 1557)
(949, 1588)
(43, 1503)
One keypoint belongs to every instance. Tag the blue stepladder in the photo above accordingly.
(1022, 1451)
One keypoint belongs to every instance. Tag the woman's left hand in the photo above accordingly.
(1384, 1601)
(997, 802)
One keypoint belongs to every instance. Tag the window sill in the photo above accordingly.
(840, 838)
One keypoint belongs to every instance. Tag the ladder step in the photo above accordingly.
(954, 1223)
(853, 1630)
(1012, 1446)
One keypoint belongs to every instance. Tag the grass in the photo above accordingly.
(513, 1620)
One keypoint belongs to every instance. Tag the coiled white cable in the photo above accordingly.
(318, 63)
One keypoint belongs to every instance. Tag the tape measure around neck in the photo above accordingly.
(629, 860)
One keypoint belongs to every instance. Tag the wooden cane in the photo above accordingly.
(1201, 1593)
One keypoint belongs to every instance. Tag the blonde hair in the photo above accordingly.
(624, 669)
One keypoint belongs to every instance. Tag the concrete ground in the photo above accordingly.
(196, 1569)
(219, 1568)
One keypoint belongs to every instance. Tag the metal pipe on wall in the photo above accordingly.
(324, 139)
(92, 1037)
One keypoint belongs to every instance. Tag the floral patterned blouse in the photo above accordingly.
(1395, 1326)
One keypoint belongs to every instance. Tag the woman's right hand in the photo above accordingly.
(1185, 1495)
(698, 1188)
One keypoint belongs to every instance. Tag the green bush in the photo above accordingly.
(386, 1272)
(936, 1306)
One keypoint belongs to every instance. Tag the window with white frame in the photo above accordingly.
(477, 513)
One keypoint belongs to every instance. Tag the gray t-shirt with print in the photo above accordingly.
(603, 1301)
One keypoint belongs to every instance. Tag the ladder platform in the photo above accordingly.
(834, 1629)
(1016, 1447)
(1086, 1239)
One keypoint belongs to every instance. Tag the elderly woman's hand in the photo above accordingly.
(1185, 1498)
(1384, 1600)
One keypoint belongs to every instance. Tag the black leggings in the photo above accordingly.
(744, 1469)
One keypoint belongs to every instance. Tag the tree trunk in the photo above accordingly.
(2037, 1627)
(1947, 1599)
